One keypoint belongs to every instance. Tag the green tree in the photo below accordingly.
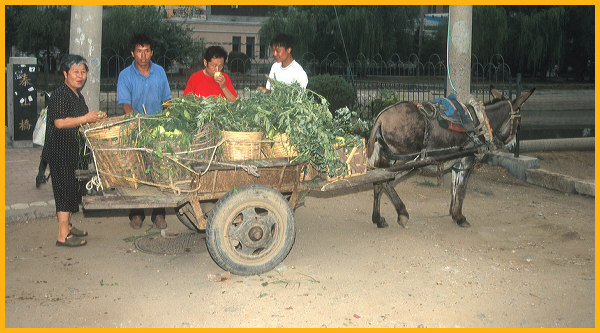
(539, 38)
(308, 25)
(172, 41)
(579, 43)
(42, 32)
(366, 30)
(490, 31)
(10, 29)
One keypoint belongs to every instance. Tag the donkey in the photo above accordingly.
(408, 130)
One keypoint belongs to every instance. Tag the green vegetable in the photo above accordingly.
(301, 114)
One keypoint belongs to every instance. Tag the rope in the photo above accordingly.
(95, 181)
(342, 35)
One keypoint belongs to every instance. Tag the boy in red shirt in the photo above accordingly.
(211, 81)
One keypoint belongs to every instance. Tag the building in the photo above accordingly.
(433, 16)
(233, 27)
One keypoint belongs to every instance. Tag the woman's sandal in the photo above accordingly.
(72, 241)
(77, 232)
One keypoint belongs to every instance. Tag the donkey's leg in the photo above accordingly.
(398, 204)
(376, 217)
(461, 171)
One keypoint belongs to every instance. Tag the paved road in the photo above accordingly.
(559, 108)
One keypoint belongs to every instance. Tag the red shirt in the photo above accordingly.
(203, 85)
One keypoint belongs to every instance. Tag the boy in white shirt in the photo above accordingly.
(285, 69)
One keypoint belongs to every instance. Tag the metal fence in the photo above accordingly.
(412, 79)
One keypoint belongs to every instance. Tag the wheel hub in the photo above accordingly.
(255, 233)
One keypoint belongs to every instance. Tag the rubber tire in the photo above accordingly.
(228, 250)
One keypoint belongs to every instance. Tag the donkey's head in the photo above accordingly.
(511, 114)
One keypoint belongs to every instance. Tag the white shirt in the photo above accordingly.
(290, 74)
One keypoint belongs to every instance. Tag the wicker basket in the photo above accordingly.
(280, 147)
(113, 161)
(355, 160)
(241, 146)
(165, 171)
(308, 173)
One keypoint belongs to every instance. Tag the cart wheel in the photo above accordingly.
(185, 214)
(250, 230)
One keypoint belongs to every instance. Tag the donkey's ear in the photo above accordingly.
(496, 93)
(521, 99)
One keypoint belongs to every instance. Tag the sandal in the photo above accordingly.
(77, 232)
(72, 241)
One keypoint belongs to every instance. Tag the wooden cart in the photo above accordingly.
(247, 212)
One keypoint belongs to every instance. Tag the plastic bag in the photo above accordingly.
(39, 132)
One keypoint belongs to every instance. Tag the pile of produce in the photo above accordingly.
(301, 114)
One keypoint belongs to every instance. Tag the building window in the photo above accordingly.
(250, 47)
(236, 44)
(262, 51)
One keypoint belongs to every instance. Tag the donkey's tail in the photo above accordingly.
(373, 137)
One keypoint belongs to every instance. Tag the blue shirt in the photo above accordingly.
(136, 89)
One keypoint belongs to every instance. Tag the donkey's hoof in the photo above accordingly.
(402, 220)
(463, 223)
(382, 223)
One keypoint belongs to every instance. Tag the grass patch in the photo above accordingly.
(484, 192)
(426, 182)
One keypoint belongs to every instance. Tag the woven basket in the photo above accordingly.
(241, 146)
(308, 173)
(165, 171)
(280, 147)
(113, 161)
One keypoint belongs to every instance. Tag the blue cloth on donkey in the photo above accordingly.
(453, 116)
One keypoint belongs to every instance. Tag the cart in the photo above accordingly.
(250, 227)
(246, 208)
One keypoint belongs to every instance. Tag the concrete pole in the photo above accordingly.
(86, 40)
(460, 25)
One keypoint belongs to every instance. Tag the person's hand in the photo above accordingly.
(262, 90)
(93, 116)
(220, 79)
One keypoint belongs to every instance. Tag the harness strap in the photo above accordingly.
(511, 122)
(483, 119)
(427, 117)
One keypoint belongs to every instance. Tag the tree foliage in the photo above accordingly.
(490, 31)
(171, 40)
(42, 32)
(579, 43)
(539, 39)
(366, 30)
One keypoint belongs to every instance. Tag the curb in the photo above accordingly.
(527, 169)
(22, 212)
(560, 182)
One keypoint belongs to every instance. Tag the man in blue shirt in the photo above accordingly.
(143, 88)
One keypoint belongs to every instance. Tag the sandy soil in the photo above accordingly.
(527, 261)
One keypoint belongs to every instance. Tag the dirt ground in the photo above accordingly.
(527, 261)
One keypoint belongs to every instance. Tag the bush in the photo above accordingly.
(387, 98)
(338, 92)
(238, 62)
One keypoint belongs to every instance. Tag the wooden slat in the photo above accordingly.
(119, 202)
(373, 176)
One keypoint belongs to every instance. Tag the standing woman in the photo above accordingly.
(66, 112)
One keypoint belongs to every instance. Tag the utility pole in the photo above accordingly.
(460, 23)
(86, 40)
